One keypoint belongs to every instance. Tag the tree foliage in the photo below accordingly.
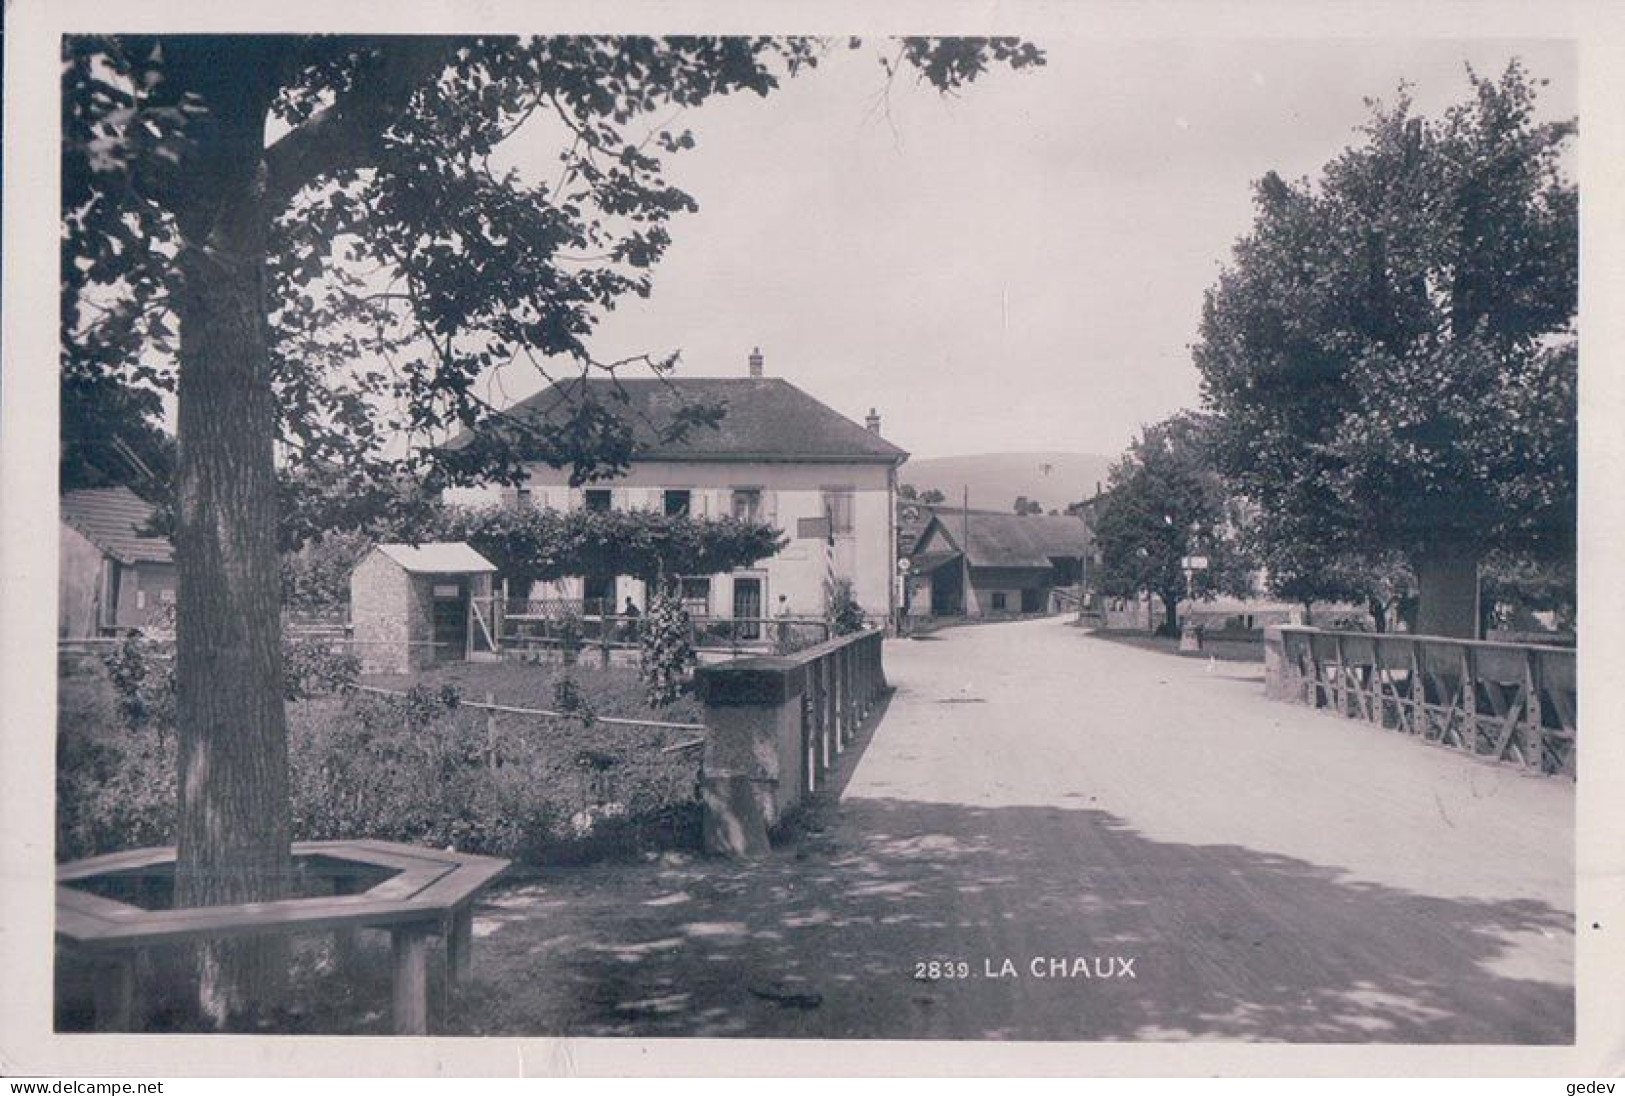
(403, 262)
(1164, 502)
(1391, 354)
(111, 434)
(543, 544)
(842, 610)
(315, 244)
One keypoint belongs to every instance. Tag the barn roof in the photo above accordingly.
(441, 558)
(765, 418)
(114, 519)
(1013, 540)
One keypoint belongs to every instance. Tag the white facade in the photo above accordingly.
(784, 494)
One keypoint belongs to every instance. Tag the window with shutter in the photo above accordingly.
(838, 508)
(747, 503)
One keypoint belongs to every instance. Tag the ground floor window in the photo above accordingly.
(1000, 602)
(696, 596)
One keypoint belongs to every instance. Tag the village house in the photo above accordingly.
(777, 455)
(115, 576)
(1015, 562)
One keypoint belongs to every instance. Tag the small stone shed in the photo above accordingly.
(412, 606)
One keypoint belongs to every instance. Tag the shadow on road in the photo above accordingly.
(823, 940)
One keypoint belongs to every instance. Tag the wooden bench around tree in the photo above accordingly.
(413, 893)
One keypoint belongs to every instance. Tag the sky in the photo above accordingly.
(1020, 266)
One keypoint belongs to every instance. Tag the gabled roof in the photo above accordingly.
(114, 520)
(1012, 540)
(441, 558)
(765, 418)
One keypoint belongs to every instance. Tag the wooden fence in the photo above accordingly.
(1500, 701)
(531, 626)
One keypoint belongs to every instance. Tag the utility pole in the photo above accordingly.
(964, 551)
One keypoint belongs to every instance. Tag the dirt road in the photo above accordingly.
(1091, 841)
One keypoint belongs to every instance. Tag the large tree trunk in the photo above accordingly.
(1170, 614)
(1447, 589)
(234, 830)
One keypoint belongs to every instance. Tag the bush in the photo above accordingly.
(424, 771)
(420, 769)
(311, 668)
(113, 791)
(844, 613)
(667, 653)
(143, 679)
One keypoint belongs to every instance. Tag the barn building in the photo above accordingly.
(1015, 563)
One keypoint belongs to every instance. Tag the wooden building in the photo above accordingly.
(1014, 563)
(114, 574)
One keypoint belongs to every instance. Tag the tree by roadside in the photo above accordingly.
(305, 239)
(1391, 352)
(1164, 503)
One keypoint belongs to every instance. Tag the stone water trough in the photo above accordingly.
(112, 907)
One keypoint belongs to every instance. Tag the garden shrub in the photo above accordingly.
(844, 613)
(419, 768)
(424, 771)
(313, 668)
(667, 652)
(113, 791)
(143, 678)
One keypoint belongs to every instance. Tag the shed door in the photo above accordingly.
(450, 619)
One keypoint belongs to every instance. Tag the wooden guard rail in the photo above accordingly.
(774, 728)
(1501, 701)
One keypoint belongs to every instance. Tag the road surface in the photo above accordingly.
(1095, 842)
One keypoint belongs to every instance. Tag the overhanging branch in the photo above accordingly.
(345, 135)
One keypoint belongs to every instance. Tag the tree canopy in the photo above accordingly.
(312, 242)
(542, 545)
(1165, 502)
(403, 264)
(1391, 351)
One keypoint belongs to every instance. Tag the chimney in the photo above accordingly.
(873, 421)
(756, 362)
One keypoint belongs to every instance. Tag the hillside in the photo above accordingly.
(996, 479)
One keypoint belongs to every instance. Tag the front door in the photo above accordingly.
(748, 606)
(450, 622)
